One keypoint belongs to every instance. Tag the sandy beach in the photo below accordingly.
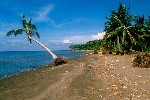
(89, 77)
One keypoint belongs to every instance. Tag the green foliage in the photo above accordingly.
(91, 45)
(124, 32)
(28, 28)
(119, 30)
(15, 32)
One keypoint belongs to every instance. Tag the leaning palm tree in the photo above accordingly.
(30, 30)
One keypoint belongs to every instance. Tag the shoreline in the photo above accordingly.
(31, 69)
(9, 74)
(82, 50)
(85, 77)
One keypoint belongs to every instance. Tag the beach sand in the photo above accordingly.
(89, 77)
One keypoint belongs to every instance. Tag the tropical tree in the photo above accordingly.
(90, 45)
(147, 35)
(143, 29)
(123, 32)
(119, 30)
(30, 30)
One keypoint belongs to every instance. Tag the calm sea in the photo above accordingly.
(12, 62)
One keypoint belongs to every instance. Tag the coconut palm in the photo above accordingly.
(143, 29)
(119, 30)
(30, 30)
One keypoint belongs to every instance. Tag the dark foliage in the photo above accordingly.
(95, 52)
(28, 28)
(91, 45)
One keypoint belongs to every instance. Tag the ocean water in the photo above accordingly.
(12, 62)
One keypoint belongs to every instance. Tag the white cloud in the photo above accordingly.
(98, 36)
(15, 41)
(79, 39)
(66, 41)
(53, 42)
(53, 22)
(57, 42)
(42, 14)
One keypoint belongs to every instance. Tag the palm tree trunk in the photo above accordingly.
(114, 45)
(51, 53)
(118, 43)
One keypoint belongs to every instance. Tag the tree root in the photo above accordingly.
(60, 61)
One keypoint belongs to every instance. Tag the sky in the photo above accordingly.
(59, 22)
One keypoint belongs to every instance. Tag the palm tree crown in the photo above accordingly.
(28, 27)
(119, 30)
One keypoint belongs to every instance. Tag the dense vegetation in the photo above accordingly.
(124, 32)
(91, 45)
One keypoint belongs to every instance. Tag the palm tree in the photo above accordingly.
(119, 30)
(31, 30)
(143, 29)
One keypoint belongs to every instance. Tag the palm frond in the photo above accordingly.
(34, 32)
(37, 34)
(24, 23)
(131, 37)
(116, 19)
(33, 27)
(15, 32)
(29, 22)
(116, 31)
(22, 15)
(28, 27)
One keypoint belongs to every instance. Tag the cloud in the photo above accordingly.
(53, 22)
(79, 39)
(98, 36)
(53, 42)
(42, 14)
(13, 42)
(57, 42)
(66, 41)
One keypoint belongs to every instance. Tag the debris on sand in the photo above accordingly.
(142, 60)
(60, 61)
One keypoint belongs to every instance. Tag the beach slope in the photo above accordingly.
(89, 77)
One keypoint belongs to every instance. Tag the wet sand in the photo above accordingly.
(89, 77)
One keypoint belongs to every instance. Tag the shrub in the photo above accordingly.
(95, 52)
(142, 60)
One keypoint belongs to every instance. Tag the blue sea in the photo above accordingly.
(12, 62)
